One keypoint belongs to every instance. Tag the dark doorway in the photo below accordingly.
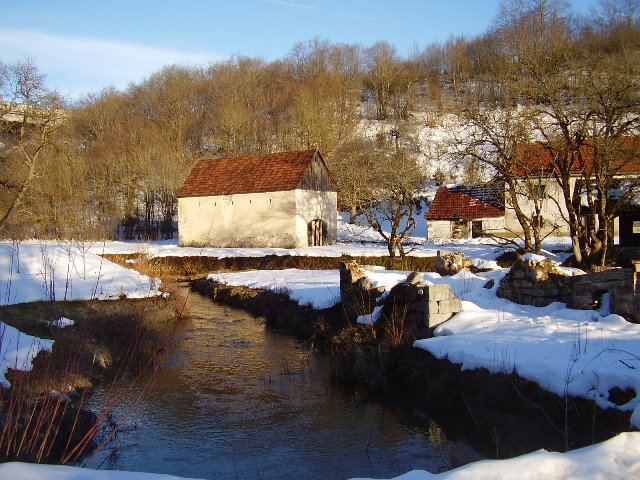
(476, 228)
(460, 229)
(317, 232)
(630, 229)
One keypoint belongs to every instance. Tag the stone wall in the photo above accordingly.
(532, 282)
(423, 306)
(450, 263)
(539, 283)
(358, 296)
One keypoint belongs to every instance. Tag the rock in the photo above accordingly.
(358, 296)
(415, 278)
(490, 284)
(450, 263)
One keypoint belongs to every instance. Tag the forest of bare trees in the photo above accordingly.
(109, 165)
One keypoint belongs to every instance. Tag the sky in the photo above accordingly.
(85, 46)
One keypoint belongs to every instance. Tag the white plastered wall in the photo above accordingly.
(313, 205)
(241, 220)
(273, 219)
(553, 207)
(438, 229)
(444, 228)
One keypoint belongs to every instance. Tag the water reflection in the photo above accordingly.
(239, 401)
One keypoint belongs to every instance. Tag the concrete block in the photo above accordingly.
(439, 292)
(436, 319)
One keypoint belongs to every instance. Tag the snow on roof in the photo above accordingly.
(466, 202)
(248, 174)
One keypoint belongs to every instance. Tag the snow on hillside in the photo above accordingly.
(431, 134)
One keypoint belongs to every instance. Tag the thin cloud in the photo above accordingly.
(78, 65)
(293, 5)
(359, 17)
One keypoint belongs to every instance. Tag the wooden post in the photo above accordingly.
(636, 288)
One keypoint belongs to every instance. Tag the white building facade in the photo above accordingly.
(294, 205)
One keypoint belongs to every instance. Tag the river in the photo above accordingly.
(239, 400)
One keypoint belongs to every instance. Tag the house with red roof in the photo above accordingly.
(466, 211)
(285, 199)
(537, 168)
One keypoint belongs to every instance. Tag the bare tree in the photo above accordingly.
(497, 138)
(353, 163)
(585, 104)
(30, 116)
(397, 179)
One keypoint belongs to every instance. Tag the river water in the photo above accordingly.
(238, 400)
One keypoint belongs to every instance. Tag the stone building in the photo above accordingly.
(466, 211)
(283, 199)
(536, 172)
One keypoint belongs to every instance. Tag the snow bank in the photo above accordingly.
(29, 471)
(618, 457)
(318, 289)
(34, 271)
(565, 351)
(17, 350)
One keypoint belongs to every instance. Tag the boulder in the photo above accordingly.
(450, 263)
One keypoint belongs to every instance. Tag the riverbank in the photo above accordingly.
(70, 320)
(497, 406)
(498, 353)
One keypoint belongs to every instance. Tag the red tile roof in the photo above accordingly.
(535, 158)
(249, 174)
(465, 203)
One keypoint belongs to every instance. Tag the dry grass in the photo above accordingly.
(43, 416)
(193, 267)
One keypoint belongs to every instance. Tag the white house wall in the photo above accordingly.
(493, 226)
(438, 229)
(311, 205)
(241, 220)
(444, 228)
(553, 207)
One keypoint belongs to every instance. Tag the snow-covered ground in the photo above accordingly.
(617, 458)
(578, 352)
(39, 271)
(565, 351)
(353, 240)
(33, 271)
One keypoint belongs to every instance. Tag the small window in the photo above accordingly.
(541, 191)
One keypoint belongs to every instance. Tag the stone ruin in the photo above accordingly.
(532, 281)
(450, 263)
(423, 306)
(358, 296)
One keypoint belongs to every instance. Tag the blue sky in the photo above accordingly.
(84, 46)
